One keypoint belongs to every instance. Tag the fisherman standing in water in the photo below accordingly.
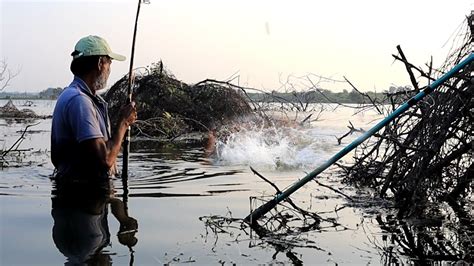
(83, 148)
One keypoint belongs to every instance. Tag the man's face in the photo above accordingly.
(101, 80)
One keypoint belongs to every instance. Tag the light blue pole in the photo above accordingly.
(259, 212)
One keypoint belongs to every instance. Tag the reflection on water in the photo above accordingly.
(430, 240)
(81, 229)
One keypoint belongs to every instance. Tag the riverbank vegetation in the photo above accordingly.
(312, 96)
(47, 94)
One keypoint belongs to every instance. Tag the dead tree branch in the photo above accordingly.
(424, 156)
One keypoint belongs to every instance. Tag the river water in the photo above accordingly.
(183, 200)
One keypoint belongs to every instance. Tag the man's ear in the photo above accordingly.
(99, 64)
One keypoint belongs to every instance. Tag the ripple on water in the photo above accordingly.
(26, 181)
(177, 173)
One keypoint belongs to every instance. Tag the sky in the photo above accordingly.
(262, 42)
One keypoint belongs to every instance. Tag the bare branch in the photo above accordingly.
(6, 75)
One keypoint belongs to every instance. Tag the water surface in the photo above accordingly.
(183, 200)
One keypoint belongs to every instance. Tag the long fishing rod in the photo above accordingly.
(126, 142)
(253, 217)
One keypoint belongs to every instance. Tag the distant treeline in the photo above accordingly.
(320, 96)
(49, 93)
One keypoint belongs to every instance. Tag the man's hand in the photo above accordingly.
(128, 114)
(128, 224)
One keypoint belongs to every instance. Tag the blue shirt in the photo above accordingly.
(78, 116)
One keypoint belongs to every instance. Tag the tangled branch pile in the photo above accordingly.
(9, 110)
(168, 108)
(425, 155)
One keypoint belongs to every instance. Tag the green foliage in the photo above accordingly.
(50, 93)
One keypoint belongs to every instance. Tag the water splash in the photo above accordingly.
(282, 148)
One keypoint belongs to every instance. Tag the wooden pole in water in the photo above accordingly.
(126, 143)
(253, 217)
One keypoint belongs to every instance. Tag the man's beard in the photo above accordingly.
(100, 82)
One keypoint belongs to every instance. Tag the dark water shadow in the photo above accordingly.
(282, 230)
(441, 235)
(446, 237)
(81, 228)
(9, 121)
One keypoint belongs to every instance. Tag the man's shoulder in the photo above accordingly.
(72, 94)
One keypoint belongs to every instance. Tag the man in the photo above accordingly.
(83, 148)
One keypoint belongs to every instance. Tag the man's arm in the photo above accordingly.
(102, 155)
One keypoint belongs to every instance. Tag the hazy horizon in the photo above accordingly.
(262, 41)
